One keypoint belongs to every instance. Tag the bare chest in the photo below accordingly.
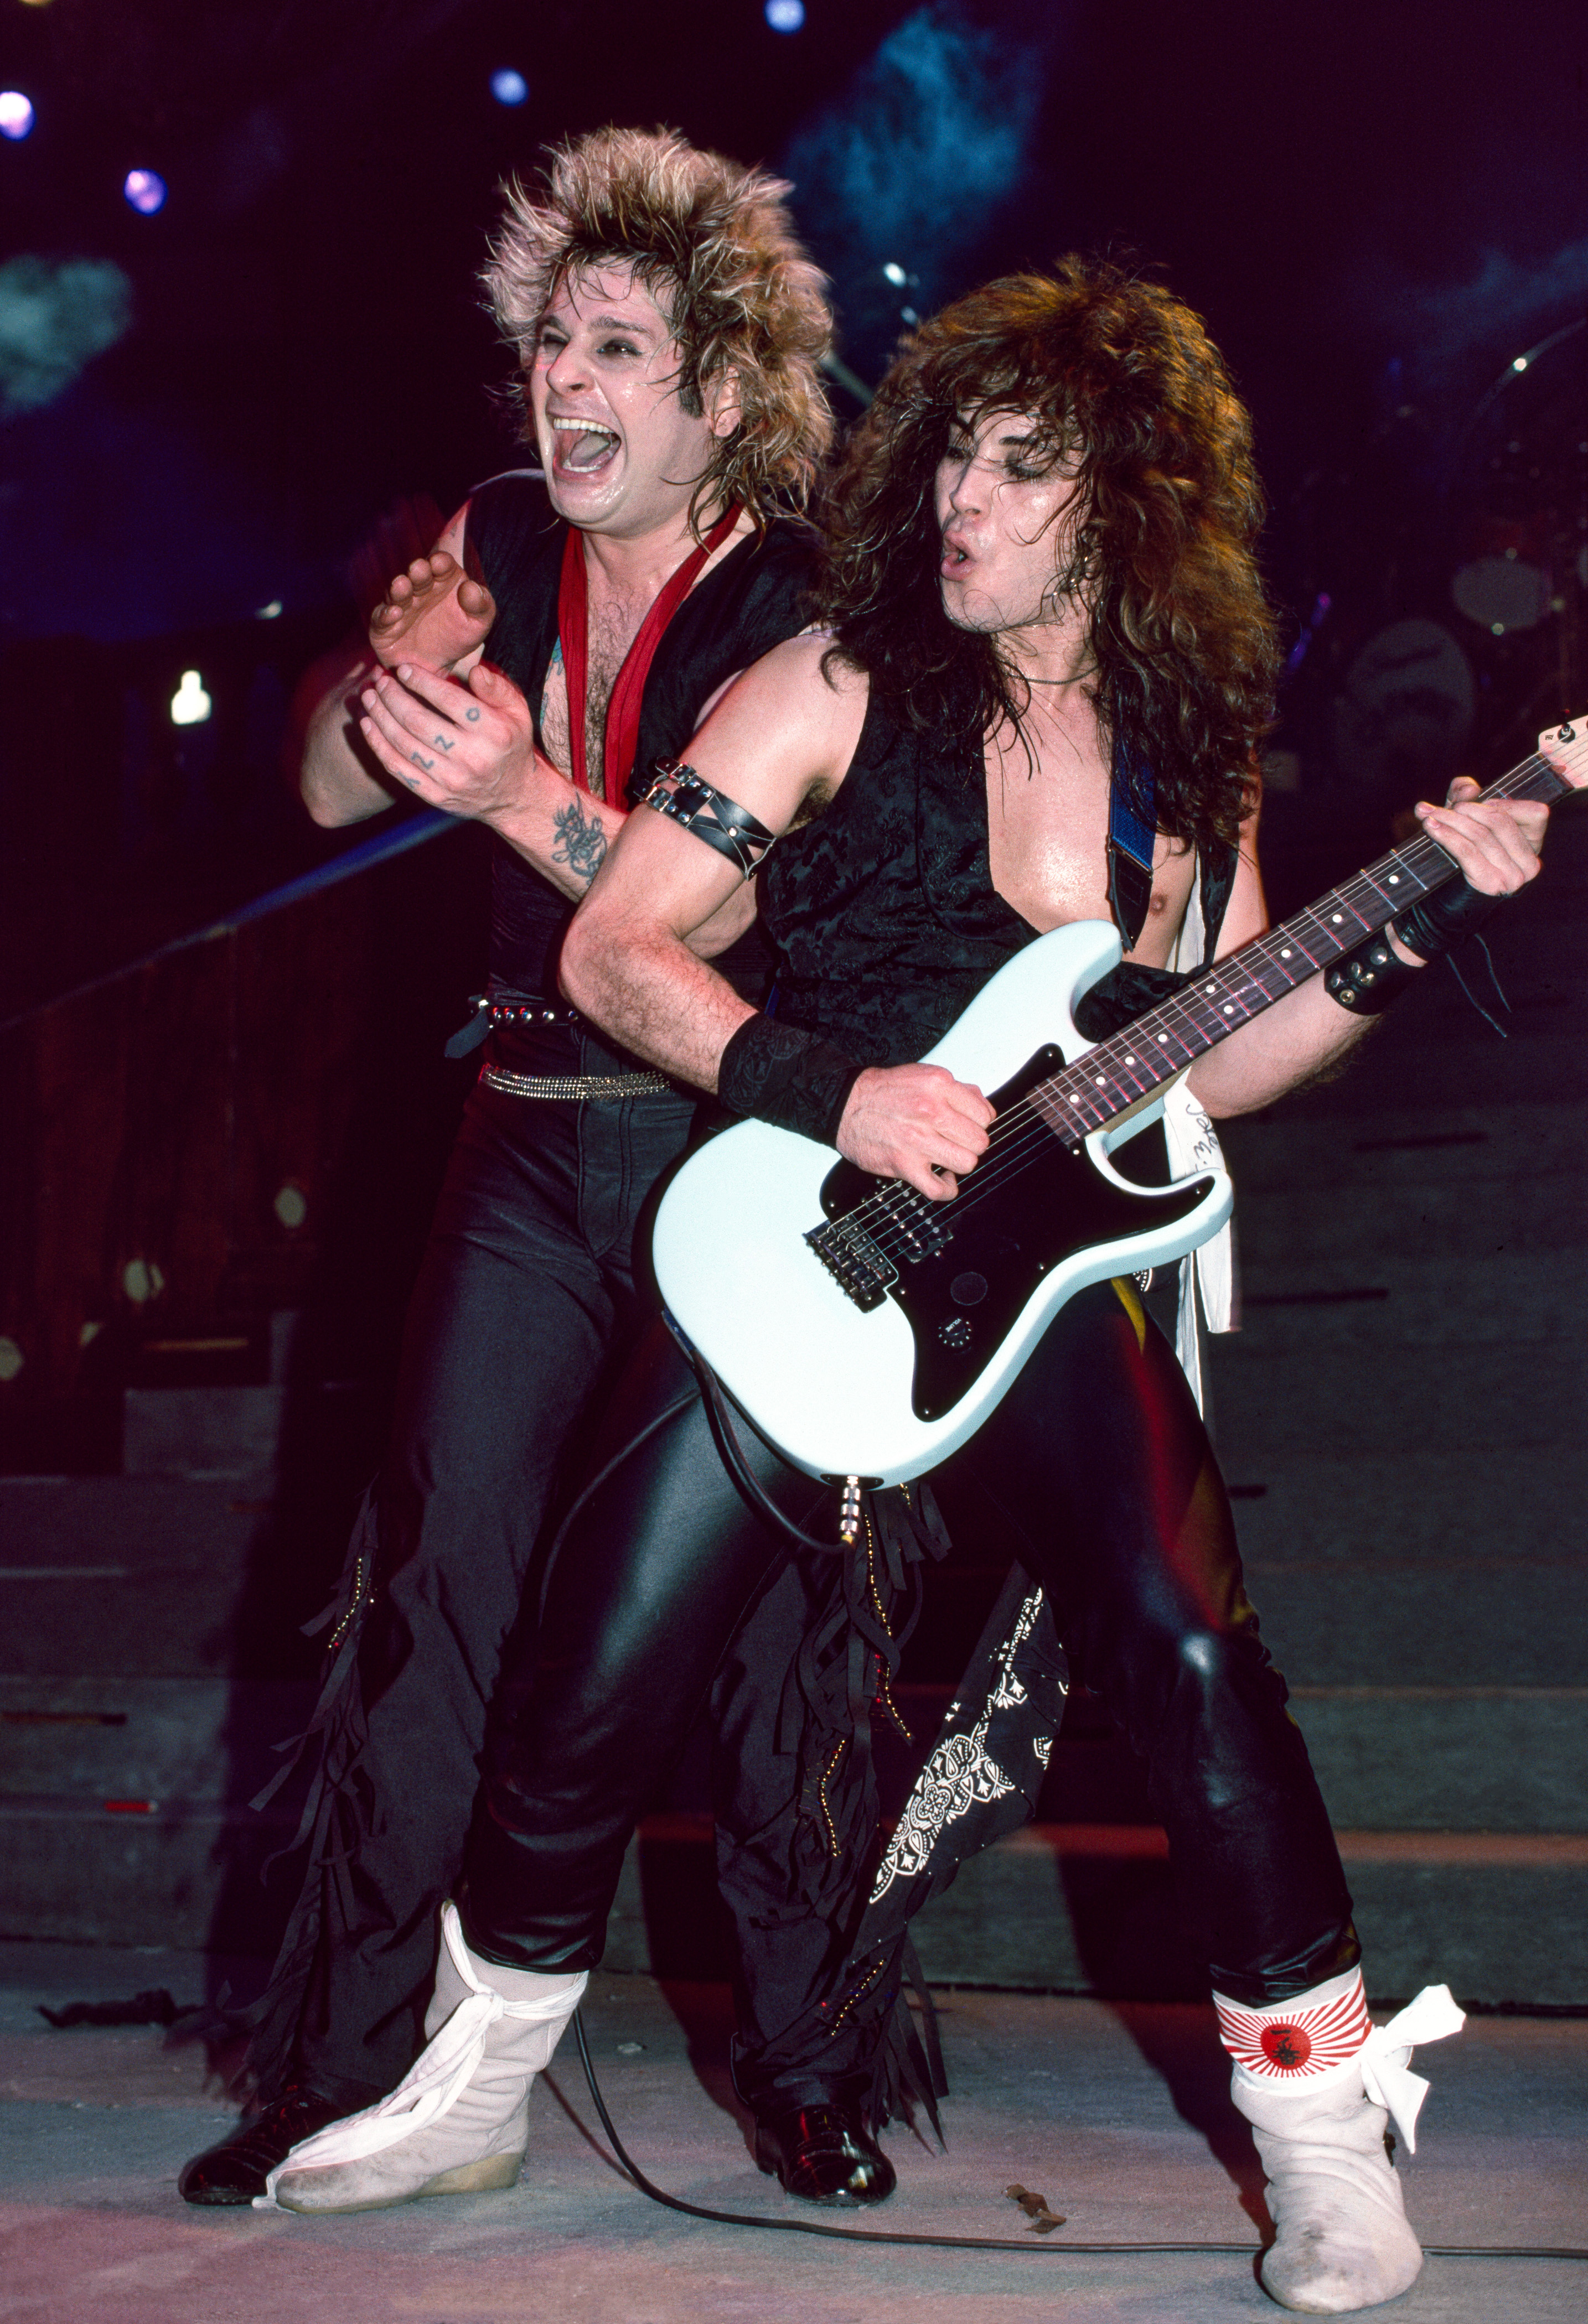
(1048, 842)
(613, 627)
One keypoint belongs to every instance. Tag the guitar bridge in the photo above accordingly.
(853, 1261)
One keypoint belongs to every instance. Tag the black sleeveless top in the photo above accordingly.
(884, 915)
(746, 604)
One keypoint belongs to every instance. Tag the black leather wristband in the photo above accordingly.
(794, 1080)
(1369, 979)
(1444, 917)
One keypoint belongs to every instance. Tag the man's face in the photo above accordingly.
(1008, 504)
(622, 455)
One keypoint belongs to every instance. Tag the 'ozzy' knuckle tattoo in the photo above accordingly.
(428, 764)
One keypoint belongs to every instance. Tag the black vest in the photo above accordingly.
(884, 915)
(746, 604)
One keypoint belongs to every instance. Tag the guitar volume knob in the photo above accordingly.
(956, 1332)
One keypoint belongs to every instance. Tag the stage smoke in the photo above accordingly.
(55, 318)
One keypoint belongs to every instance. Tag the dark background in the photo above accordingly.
(216, 1166)
(1376, 207)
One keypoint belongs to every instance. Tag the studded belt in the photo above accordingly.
(594, 1088)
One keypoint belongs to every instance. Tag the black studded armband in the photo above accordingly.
(1366, 980)
(676, 790)
(1369, 979)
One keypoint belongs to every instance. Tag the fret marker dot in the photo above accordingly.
(1163, 1036)
(1394, 878)
(1074, 1101)
(1229, 1009)
(1283, 951)
(1335, 917)
(1101, 1081)
(1129, 1061)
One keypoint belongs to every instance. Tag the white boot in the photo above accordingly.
(1318, 2083)
(458, 2120)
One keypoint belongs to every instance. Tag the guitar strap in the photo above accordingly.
(1130, 843)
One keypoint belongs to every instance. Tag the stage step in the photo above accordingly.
(1502, 1918)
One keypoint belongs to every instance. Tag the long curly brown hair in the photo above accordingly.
(1125, 377)
(715, 243)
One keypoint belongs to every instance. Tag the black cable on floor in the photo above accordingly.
(965, 2242)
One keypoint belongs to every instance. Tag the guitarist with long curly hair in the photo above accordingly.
(1045, 668)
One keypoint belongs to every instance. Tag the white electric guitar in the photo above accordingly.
(867, 1331)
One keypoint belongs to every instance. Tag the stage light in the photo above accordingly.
(509, 87)
(784, 15)
(16, 113)
(1519, 363)
(271, 612)
(895, 273)
(189, 705)
(144, 190)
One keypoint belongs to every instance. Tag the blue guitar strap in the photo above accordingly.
(1130, 843)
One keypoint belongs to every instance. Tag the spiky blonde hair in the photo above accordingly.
(715, 245)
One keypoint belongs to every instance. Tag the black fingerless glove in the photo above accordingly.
(1369, 979)
(794, 1080)
(1444, 917)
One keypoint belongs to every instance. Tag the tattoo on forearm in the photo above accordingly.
(581, 842)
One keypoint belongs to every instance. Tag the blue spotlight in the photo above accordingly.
(144, 190)
(17, 114)
(509, 87)
(784, 15)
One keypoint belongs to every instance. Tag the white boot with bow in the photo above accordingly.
(1319, 2083)
(457, 2123)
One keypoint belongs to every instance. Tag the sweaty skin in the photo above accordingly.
(780, 744)
(622, 458)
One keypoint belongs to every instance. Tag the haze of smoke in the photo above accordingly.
(1504, 305)
(906, 164)
(56, 317)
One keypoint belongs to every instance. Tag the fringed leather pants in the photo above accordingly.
(1096, 1473)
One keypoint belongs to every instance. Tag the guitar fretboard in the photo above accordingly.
(1152, 1048)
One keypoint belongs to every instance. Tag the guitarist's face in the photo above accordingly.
(1008, 501)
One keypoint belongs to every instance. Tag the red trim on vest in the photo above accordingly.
(623, 711)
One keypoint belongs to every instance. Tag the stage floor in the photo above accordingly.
(1117, 2115)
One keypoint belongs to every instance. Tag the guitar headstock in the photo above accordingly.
(1565, 747)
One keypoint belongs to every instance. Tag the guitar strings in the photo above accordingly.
(1028, 1126)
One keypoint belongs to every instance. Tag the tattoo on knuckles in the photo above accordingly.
(428, 764)
(442, 743)
(472, 715)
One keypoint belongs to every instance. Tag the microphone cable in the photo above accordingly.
(976, 2242)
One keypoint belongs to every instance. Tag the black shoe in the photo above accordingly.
(825, 2155)
(236, 2170)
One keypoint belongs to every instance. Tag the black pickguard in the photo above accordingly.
(962, 1300)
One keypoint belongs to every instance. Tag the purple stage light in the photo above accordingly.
(784, 15)
(509, 87)
(16, 113)
(144, 190)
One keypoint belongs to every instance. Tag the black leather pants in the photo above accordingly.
(1097, 1473)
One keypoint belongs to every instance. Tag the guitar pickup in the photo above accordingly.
(853, 1261)
(919, 1229)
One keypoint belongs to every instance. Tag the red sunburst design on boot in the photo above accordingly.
(1288, 2047)
(1302, 2041)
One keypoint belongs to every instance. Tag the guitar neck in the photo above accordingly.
(1154, 1047)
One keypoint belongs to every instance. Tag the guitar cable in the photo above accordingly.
(738, 1467)
(648, 2186)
